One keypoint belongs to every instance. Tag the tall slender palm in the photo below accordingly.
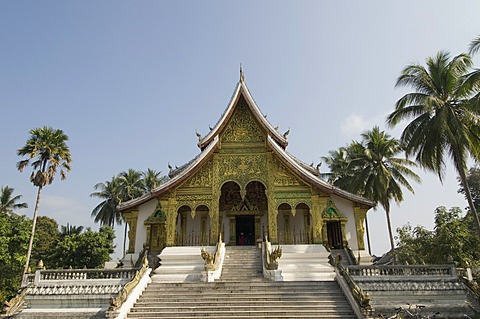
(8, 203)
(372, 169)
(381, 173)
(445, 115)
(46, 151)
(106, 212)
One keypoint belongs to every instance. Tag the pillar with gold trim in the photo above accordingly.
(131, 219)
(360, 213)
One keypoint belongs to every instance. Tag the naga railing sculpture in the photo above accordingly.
(362, 298)
(212, 261)
(117, 302)
(271, 257)
(12, 306)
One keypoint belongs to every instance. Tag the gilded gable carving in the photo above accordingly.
(242, 126)
(203, 178)
(283, 176)
(243, 168)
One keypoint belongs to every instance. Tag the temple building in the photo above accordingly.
(244, 185)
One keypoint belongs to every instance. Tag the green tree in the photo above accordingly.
(131, 184)
(445, 115)
(45, 241)
(151, 180)
(89, 249)
(8, 202)
(14, 234)
(46, 151)
(106, 212)
(473, 181)
(373, 169)
(451, 241)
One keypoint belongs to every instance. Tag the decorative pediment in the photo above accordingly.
(283, 176)
(203, 178)
(243, 168)
(331, 212)
(242, 127)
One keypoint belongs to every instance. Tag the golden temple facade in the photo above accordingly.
(244, 185)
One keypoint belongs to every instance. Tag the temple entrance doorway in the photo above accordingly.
(334, 234)
(245, 230)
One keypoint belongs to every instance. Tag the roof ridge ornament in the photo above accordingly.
(242, 76)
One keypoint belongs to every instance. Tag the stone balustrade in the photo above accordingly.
(88, 277)
(402, 271)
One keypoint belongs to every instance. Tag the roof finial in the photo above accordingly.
(242, 77)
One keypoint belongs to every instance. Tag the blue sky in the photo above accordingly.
(131, 82)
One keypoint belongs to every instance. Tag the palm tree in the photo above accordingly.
(46, 151)
(151, 179)
(381, 173)
(70, 230)
(106, 212)
(445, 113)
(131, 184)
(371, 169)
(8, 203)
(474, 46)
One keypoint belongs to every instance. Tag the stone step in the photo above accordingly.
(153, 302)
(246, 312)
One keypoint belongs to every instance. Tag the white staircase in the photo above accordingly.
(305, 263)
(242, 292)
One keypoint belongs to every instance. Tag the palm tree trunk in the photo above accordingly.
(125, 239)
(390, 232)
(368, 236)
(30, 244)
(468, 195)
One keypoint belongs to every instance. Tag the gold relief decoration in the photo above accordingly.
(203, 178)
(131, 219)
(283, 176)
(331, 212)
(193, 201)
(242, 126)
(360, 213)
(243, 168)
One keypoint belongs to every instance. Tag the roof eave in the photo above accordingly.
(172, 183)
(316, 181)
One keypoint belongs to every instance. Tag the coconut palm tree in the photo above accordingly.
(68, 230)
(8, 203)
(46, 151)
(372, 168)
(131, 184)
(474, 46)
(444, 110)
(151, 179)
(106, 212)
(380, 173)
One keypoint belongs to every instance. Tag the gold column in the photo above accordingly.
(360, 213)
(272, 220)
(306, 226)
(215, 218)
(258, 234)
(318, 205)
(233, 233)
(171, 221)
(343, 223)
(131, 219)
(203, 229)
